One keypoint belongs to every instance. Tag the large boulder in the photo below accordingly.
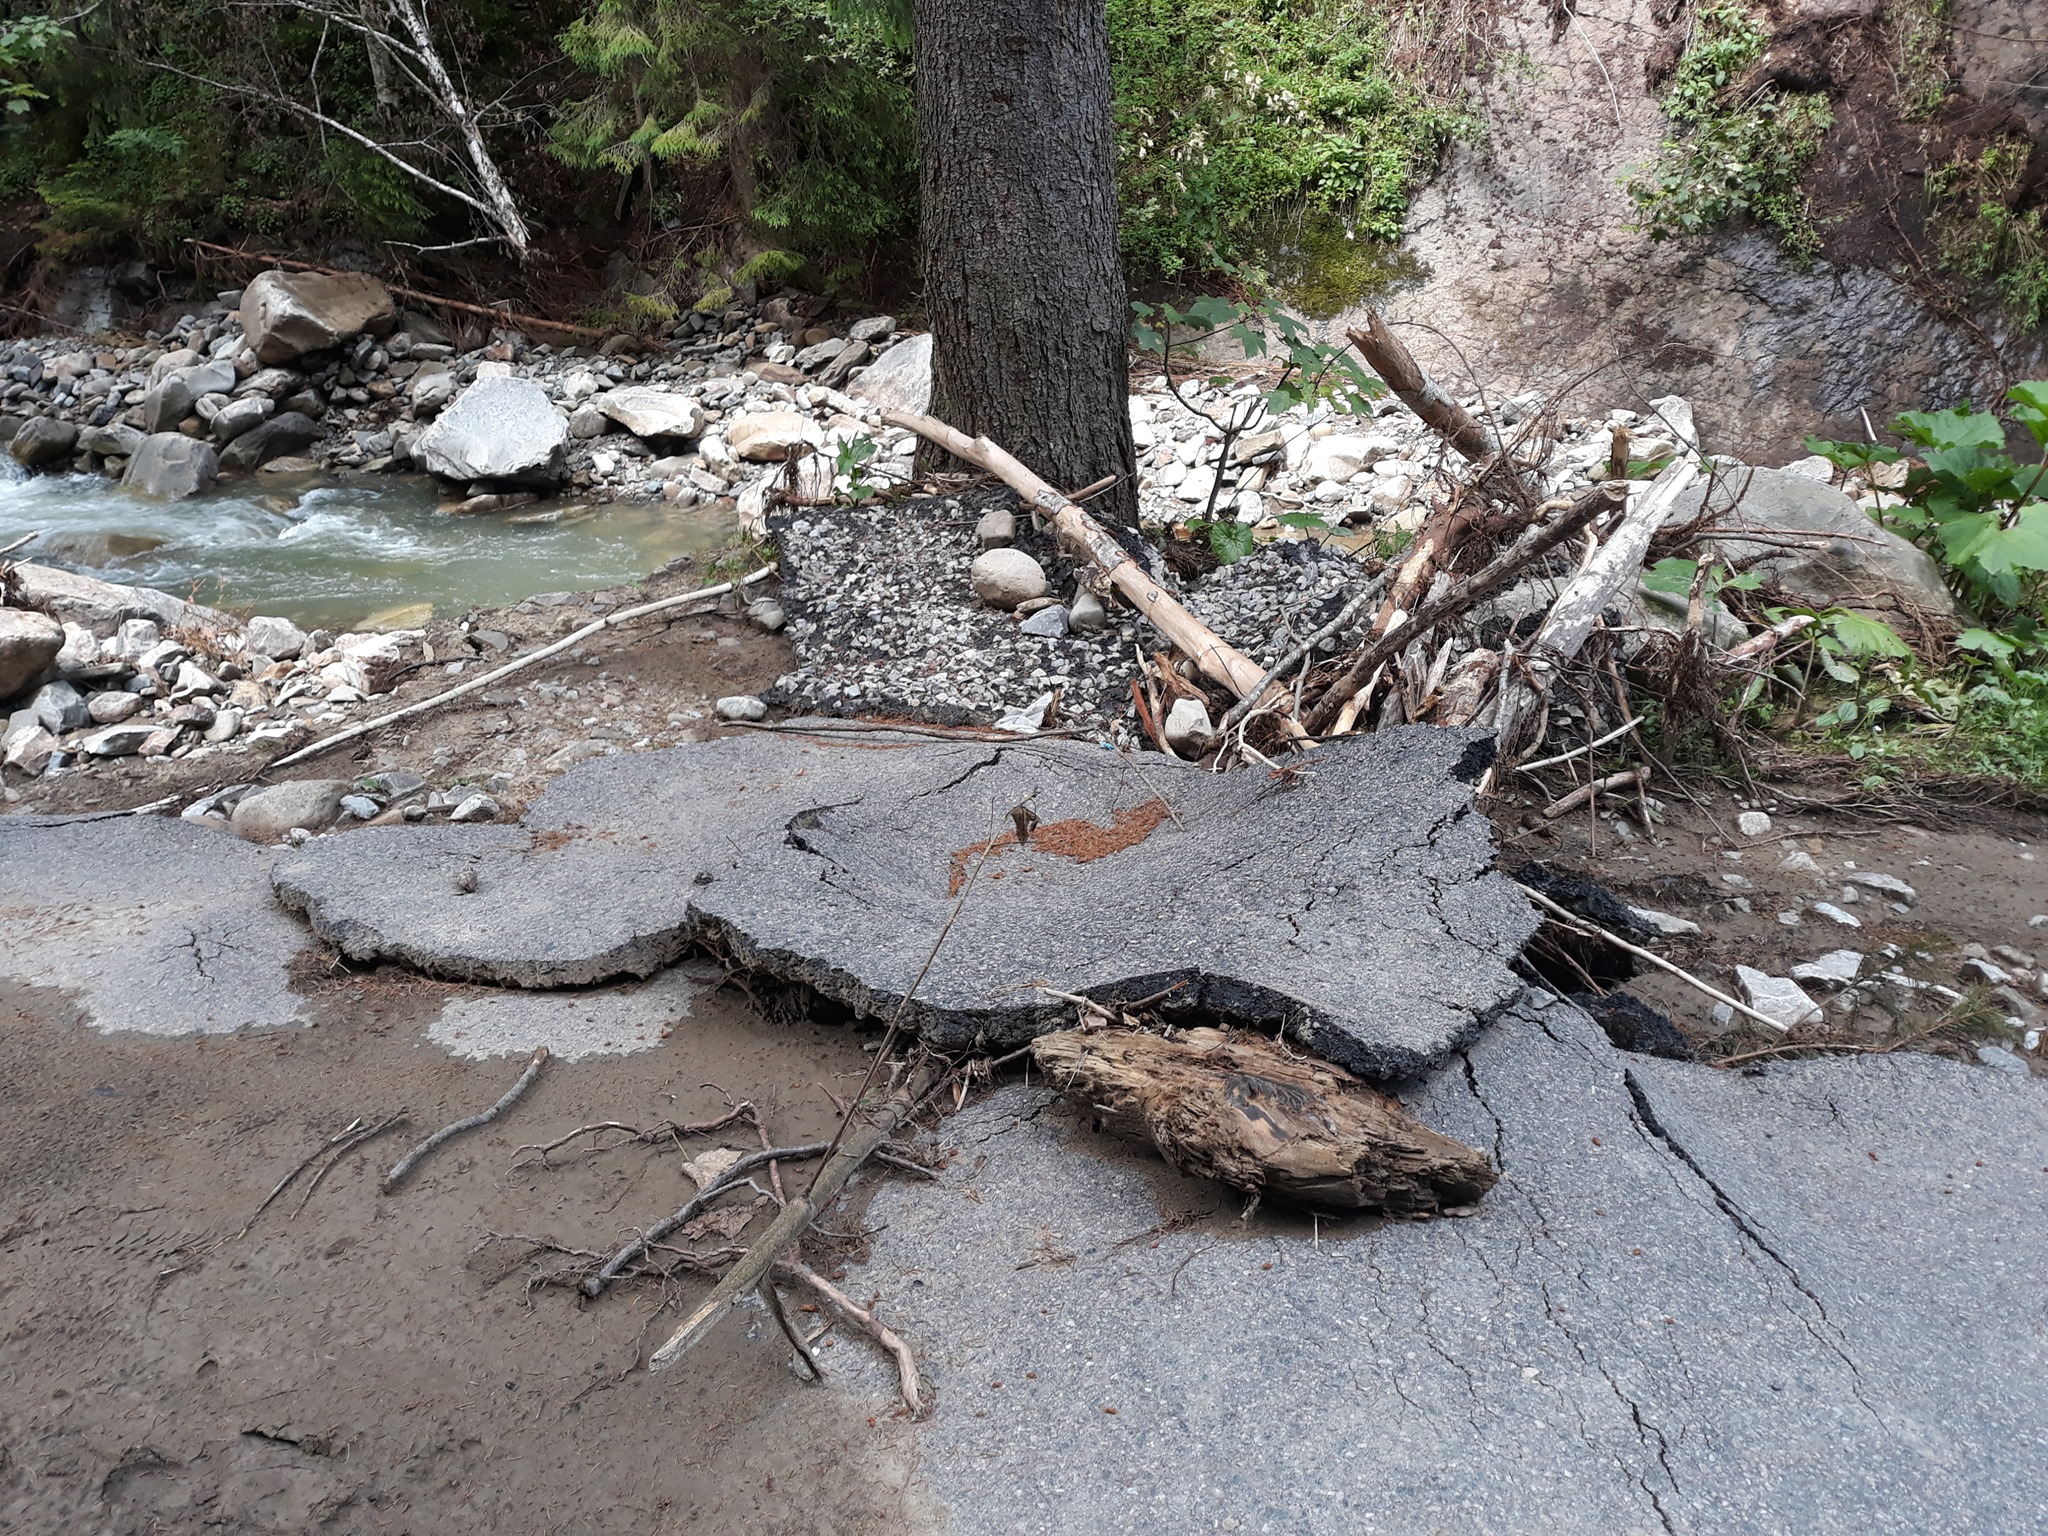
(285, 433)
(170, 466)
(1847, 560)
(497, 429)
(288, 314)
(900, 379)
(652, 412)
(104, 606)
(43, 440)
(29, 642)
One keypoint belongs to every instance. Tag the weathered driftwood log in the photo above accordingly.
(1612, 571)
(1243, 1111)
(1385, 354)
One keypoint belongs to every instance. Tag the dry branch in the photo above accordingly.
(593, 1285)
(791, 1222)
(908, 1382)
(1535, 542)
(1247, 1112)
(512, 1096)
(328, 743)
(1565, 918)
(502, 316)
(1626, 779)
(1385, 354)
(1612, 569)
(1078, 531)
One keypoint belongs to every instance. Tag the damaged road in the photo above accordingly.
(1350, 902)
(1697, 1302)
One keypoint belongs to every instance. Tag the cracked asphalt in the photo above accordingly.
(1698, 1302)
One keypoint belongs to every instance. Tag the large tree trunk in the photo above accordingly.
(1022, 279)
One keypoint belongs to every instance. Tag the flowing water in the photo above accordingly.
(342, 554)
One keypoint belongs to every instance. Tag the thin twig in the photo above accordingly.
(329, 1166)
(25, 540)
(1594, 930)
(411, 1159)
(1565, 757)
(328, 743)
(772, 1299)
(306, 1162)
(906, 1362)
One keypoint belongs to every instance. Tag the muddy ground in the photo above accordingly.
(373, 1363)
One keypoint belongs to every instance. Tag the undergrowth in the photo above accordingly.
(1981, 238)
(1742, 150)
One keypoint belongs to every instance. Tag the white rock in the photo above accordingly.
(274, 638)
(996, 528)
(477, 807)
(769, 436)
(1752, 823)
(1890, 885)
(1836, 968)
(1985, 972)
(1835, 914)
(1800, 862)
(119, 740)
(740, 706)
(1188, 729)
(1088, 614)
(2002, 1060)
(1003, 578)
(1663, 922)
(1775, 997)
(1197, 485)
(648, 412)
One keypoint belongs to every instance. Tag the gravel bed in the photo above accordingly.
(884, 622)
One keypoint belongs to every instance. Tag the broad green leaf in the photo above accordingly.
(1300, 520)
(1986, 644)
(1961, 428)
(2030, 408)
(1862, 636)
(1998, 551)
(1674, 576)
(1230, 542)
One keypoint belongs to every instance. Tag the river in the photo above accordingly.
(342, 554)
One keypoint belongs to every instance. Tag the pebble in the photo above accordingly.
(740, 706)
(361, 807)
(1188, 729)
(1050, 623)
(996, 528)
(1983, 971)
(1087, 614)
(1800, 862)
(1753, 823)
(1003, 578)
(767, 614)
(1835, 914)
(477, 807)
(1836, 968)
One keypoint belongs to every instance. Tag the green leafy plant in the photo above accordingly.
(851, 461)
(1980, 234)
(1228, 110)
(1742, 151)
(1312, 372)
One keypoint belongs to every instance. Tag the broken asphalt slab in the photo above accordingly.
(1350, 902)
(154, 925)
(1699, 1303)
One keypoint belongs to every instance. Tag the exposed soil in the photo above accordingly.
(1979, 875)
(371, 1363)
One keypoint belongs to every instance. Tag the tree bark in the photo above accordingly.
(1023, 283)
